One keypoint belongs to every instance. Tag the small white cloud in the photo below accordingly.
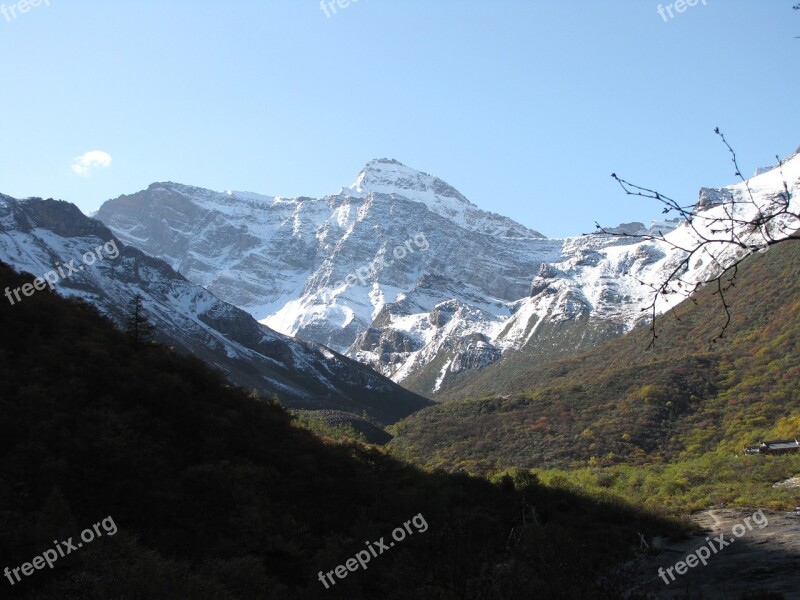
(96, 159)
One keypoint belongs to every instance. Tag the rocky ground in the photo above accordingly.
(765, 558)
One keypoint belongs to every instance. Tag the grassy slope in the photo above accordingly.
(220, 495)
(620, 403)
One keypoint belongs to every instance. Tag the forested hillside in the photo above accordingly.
(622, 403)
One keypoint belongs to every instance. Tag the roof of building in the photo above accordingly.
(781, 445)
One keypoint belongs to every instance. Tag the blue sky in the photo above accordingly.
(525, 106)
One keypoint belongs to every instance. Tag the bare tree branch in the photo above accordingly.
(727, 233)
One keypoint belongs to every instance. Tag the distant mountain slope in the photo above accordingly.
(35, 235)
(621, 402)
(604, 282)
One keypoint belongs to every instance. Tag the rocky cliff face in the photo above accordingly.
(363, 271)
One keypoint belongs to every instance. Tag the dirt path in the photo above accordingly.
(765, 558)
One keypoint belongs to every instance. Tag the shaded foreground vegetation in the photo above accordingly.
(218, 494)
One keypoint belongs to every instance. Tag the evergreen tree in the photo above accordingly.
(137, 326)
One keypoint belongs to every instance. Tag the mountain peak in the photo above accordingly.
(385, 161)
(390, 176)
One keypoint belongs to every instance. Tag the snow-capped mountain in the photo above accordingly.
(50, 237)
(402, 272)
(369, 264)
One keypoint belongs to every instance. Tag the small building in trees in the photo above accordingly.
(774, 447)
(780, 446)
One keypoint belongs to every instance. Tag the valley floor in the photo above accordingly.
(762, 559)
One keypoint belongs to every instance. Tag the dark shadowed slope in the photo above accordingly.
(218, 495)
